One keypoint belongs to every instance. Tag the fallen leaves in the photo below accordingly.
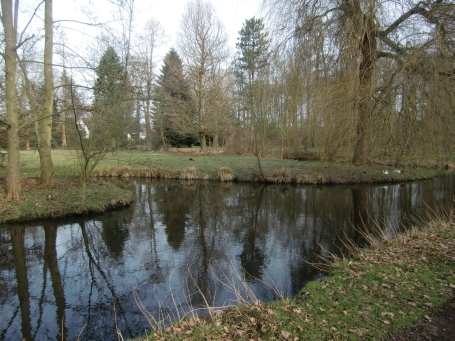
(359, 331)
(388, 314)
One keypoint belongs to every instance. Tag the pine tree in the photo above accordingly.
(173, 108)
(112, 99)
(253, 53)
(253, 49)
(250, 71)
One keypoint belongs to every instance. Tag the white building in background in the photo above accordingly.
(83, 127)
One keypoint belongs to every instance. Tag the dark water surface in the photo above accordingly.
(181, 246)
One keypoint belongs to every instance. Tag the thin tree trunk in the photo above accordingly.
(84, 183)
(13, 180)
(64, 144)
(64, 107)
(148, 129)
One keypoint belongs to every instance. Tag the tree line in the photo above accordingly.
(355, 80)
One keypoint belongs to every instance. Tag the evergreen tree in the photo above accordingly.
(253, 49)
(173, 109)
(253, 53)
(250, 71)
(112, 99)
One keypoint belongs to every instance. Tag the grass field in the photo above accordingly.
(244, 168)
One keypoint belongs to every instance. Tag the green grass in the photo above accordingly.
(62, 199)
(369, 297)
(243, 168)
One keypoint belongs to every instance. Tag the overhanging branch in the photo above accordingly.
(417, 9)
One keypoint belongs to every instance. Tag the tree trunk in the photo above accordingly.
(84, 179)
(148, 129)
(216, 137)
(64, 107)
(202, 141)
(45, 125)
(64, 144)
(368, 50)
(13, 180)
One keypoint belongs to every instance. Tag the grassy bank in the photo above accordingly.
(371, 296)
(128, 164)
(62, 199)
(242, 168)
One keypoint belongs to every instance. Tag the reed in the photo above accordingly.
(226, 174)
(189, 173)
(283, 176)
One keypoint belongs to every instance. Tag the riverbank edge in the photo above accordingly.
(61, 200)
(373, 295)
(326, 174)
(35, 204)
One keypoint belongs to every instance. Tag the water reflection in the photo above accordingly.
(59, 279)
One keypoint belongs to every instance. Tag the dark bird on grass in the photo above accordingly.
(190, 159)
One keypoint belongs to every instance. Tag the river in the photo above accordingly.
(181, 247)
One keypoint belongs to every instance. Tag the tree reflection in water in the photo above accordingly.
(252, 257)
(50, 260)
(63, 277)
(18, 251)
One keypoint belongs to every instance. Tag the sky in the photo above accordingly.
(232, 14)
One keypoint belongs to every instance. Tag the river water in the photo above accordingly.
(182, 247)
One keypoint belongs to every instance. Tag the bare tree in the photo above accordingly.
(144, 62)
(364, 33)
(202, 44)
